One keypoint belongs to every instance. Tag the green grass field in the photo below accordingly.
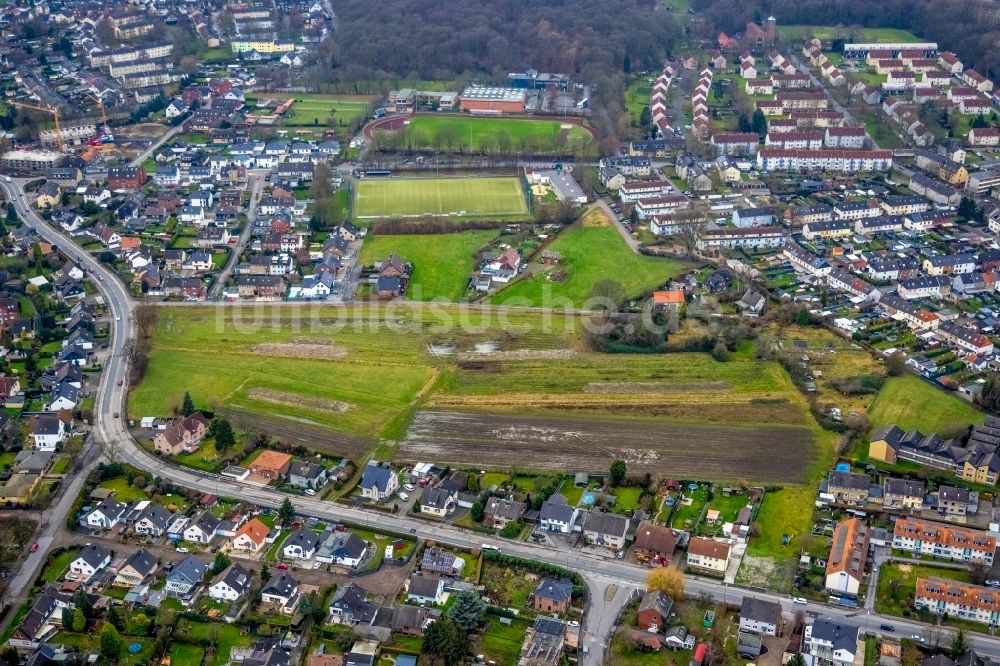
(442, 263)
(897, 583)
(592, 249)
(463, 197)
(496, 134)
(637, 97)
(314, 110)
(914, 404)
(827, 33)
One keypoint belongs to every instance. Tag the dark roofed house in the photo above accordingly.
(552, 596)
(441, 562)
(760, 616)
(654, 611)
(654, 543)
(500, 512)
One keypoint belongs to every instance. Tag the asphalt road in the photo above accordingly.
(256, 183)
(109, 429)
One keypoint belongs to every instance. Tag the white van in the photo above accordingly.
(403, 496)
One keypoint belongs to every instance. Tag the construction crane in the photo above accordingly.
(105, 130)
(55, 115)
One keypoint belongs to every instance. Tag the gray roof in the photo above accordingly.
(94, 555)
(142, 561)
(606, 523)
(905, 487)
(556, 509)
(190, 569)
(352, 547)
(849, 480)
(951, 494)
(841, 636)
(657, 601)
(556, 590)
(207, 523)
(304, 538)
(377, 476)
(761, 610)
(281, 585)
(509, 509)
(436, 498)
(158, 515)
(237, 578)
(422, 586)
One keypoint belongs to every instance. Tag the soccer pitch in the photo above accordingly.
(417, 197)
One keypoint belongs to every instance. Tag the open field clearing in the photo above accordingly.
(592, 250)
(442, 263)
(495, 134)
(684, 450)
(417, 197)
(315, 110)
(913, 404)
(828, 33)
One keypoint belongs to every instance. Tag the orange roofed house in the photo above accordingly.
(958, 599)
(182, 436)
(664, 300)
(948, 541)
(845, 568)
(252, 537)
(271, 465)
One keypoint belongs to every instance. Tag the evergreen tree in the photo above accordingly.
(111, 642)
(469, 608)
(78, 622)
(445, 640)
(286, 512)
(187, 407)
(222, 432)
(477, 512)
(618, 472)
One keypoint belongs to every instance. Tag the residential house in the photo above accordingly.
(378, 481)
(281, 591)
(305, 474)
(845, 567)
(301, 545)
(552, 596)
(848, 488)
(831, 643)
(136, 568)
(91, 559)
(606, 530)
(903, 494)
(708, 555)
(654, 543)
(202, 529)
(350, 606)
(760, 616)
(951, 542)
(500, 512)
(105, 515)
(271, 465)
(654, 612)
(48, 431)
(441, 563)
(153, 522)
(437, 501)
(556, 515)
(231, 584)
(963, 601)
(183, 436)
(252, 537)
(425, 591)
(185, 577)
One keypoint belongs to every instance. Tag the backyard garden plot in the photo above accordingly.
(419, 197)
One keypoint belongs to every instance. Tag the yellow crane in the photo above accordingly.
(55, 115)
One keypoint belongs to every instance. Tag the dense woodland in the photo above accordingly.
(970, 28)
(593, 41)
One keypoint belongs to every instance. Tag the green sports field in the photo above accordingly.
(462, 197)
(314, 110)
(496, 134)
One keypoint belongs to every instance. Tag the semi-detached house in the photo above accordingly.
(709, 555)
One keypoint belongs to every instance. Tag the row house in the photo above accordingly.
(757, 238)
(965, 601)
(923, 286)
(950, 542)
(965, 338)
(844, 161)
(802, 140)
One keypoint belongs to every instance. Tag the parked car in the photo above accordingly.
(887, 627)
(282, 566)
(403, 496)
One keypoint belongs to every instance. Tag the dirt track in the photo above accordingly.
(761, 454)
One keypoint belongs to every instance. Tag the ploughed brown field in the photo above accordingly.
(682, 450)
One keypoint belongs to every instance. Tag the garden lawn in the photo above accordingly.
(897, 582)
(500, 642)
(228, 637)
(592, 250)
(441, 263)
(913, 404)
(450, 132)
(786, 511)
(53, 570)
(124, 492)
(184, 654)
(628, 498)
(690, 512)
(571, 491)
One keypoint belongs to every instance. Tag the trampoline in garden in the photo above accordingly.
(692, 486)
(588, 498)
(670, 501)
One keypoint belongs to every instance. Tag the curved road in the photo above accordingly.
(109, 428)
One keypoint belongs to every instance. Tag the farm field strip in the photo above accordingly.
(415, 197)
(559, 442)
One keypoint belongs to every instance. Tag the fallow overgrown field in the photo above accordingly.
(497, 388)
